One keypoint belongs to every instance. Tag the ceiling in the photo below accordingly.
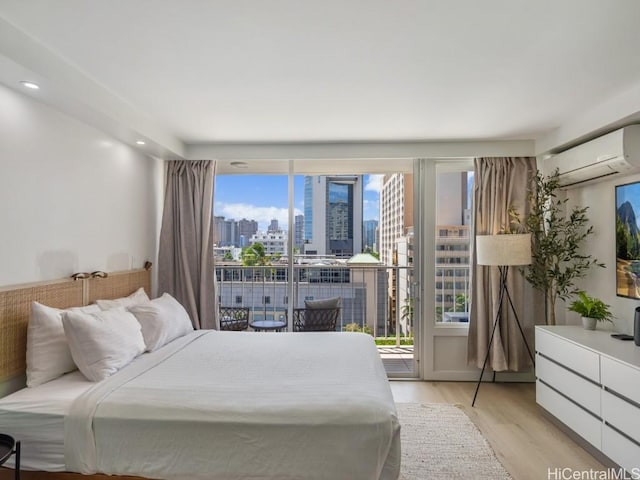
(252, 71)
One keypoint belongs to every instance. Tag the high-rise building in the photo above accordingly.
(232, 233)
(273, 226)
(298, 239)
(246, 228)
(370, 228)
(226, 231)
(396, 213)
(395, 234)
(452, 246)
(308, 209)
(333, 215)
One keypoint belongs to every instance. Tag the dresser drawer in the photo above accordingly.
(622, 415)
(581, 360)
(621, 378)
(573, 416)
(621, 450)
(584, 392)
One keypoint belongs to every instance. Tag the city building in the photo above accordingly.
(225, 232)
(452, 273)
(401, 302)
(395, 233)
(452, 243)
(360, 282)
(298, 239)
(246, 228)
(337, 202)
(273, 226)
(232, 233)
(274, 242)
(396, 213)
(370, 229)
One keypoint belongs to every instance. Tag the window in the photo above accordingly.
(266, 300)
(453, 215)
(239, 299)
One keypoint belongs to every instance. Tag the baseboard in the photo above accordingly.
(519, 377)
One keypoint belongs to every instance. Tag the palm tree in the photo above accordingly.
(254, 255)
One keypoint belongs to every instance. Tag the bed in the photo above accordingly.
(217, 405)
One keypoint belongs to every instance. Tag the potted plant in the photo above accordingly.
(591, 309)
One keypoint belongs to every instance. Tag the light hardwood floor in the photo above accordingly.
(525, 440)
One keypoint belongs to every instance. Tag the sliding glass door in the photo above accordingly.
(325, 229)
(445, 192)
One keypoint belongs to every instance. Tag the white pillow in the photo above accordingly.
(139, 296)
(162, 319)
(103, 342)
(48, 354)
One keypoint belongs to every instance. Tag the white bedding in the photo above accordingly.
(36, 416)
(237, 405)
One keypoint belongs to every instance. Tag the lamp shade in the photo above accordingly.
(505, 249)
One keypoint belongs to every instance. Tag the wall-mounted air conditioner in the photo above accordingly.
(614, 154)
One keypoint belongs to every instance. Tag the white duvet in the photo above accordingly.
(238, 405)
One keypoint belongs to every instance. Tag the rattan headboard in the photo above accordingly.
(15, 305)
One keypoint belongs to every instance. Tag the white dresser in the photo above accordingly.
(591, 383)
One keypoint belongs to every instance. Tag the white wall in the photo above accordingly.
(71, 198)
(601, 282)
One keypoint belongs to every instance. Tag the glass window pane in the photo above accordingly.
(454, 193)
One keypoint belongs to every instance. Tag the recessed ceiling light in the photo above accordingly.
(239, 164)
(31, 85)
(140, 142)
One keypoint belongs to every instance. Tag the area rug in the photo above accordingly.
(439, 441)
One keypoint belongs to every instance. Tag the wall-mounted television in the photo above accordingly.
(628, 240)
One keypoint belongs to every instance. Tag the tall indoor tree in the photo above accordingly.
(557, 241)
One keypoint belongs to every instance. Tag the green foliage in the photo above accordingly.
(228, 256)
(372, 252)
(557, 238)
(255, 255)
(393, 341)
(354, 327)
(461, 303)
(591, 307)
(406, 311)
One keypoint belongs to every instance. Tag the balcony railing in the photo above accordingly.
(374, 299)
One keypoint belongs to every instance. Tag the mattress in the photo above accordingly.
(223, 405)
(36, 417)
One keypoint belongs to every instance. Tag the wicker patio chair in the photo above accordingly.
(317, 316)
(234, 318)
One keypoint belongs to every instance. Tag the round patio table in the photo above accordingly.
(268, 325)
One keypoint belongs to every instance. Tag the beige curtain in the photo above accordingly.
(185, 257)
(500, 183)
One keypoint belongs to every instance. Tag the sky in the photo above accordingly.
(264, 197)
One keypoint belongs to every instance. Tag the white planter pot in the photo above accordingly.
(589, 323)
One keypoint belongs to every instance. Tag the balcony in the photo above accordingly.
(377, 300)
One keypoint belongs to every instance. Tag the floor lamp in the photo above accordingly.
(502, 251)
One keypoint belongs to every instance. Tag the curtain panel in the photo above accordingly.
(185, 256)
(500, 183)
